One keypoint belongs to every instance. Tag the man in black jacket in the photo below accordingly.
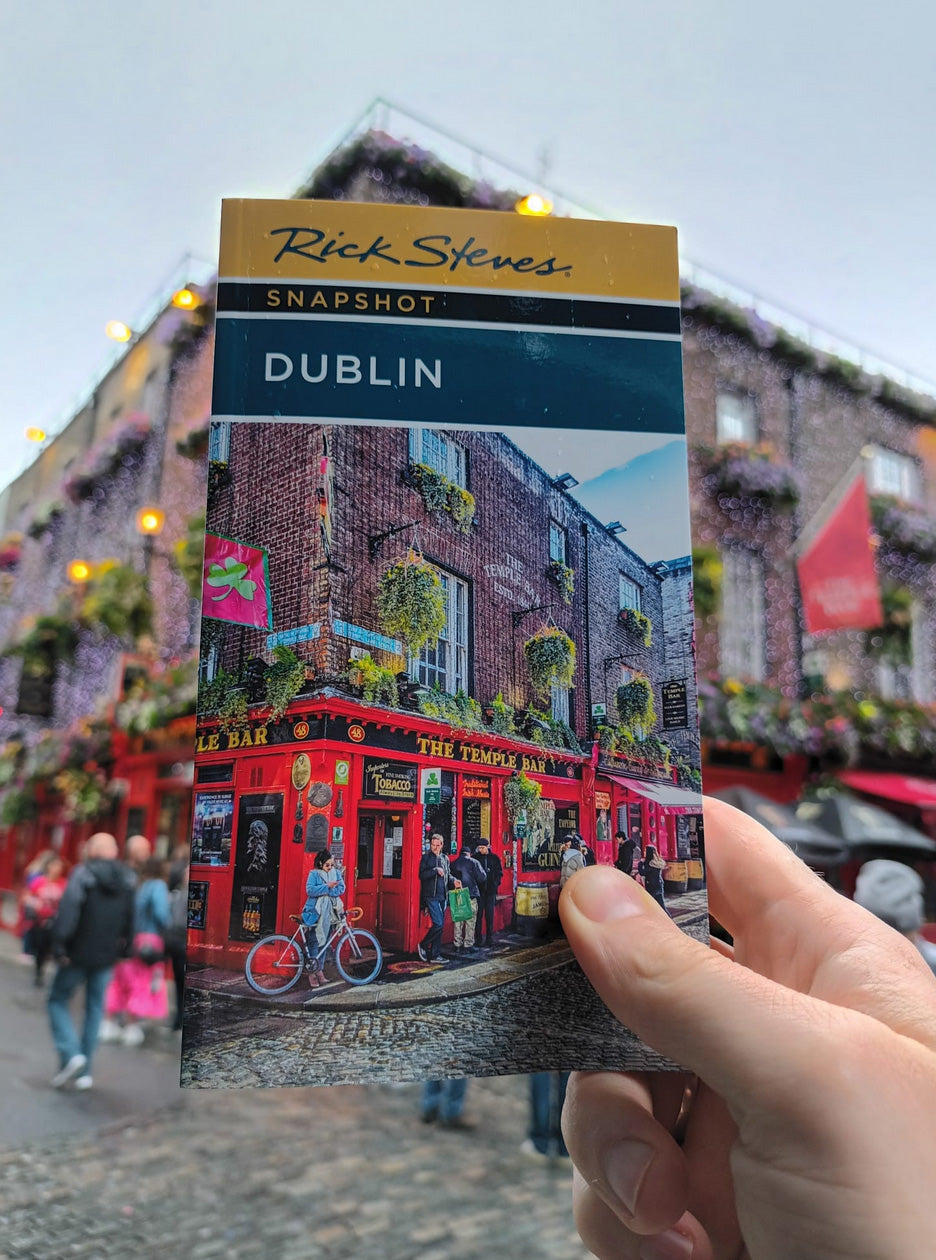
(493, 871)
(435, 880)
(92, 929)
(469, 870)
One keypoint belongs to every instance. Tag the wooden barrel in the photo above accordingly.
(532, 907)
(674, 878)
(695, 875)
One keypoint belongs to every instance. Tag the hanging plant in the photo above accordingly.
(11, 548)
(707, 570)
(904, 530)
(739, 470)
(521, 795)
(411, 602)
(85, 794)
(635, 706)
(232, 711)
(117, 600)
(211, 695)
(550, 659)
(564, 577)
(636, 622)
(502, 716)
(50, 638)
(188, 554)
(377, 684)
(283, 681)
(892, 642)
(439, 494)
(18, 806)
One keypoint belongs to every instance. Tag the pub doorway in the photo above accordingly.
(382, 887)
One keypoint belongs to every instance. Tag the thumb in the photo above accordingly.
(748, 1038)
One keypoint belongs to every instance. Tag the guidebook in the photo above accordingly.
(447, 640)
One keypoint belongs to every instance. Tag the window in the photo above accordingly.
(439, 451)
(735, 417)
(219, 441)
(894, 474)
(628, 674)
(445, 663)
(628, 594)
(742, 644)
(558, 543)
(559, 704)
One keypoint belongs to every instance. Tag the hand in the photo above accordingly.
(811, 1135)
(458, 883)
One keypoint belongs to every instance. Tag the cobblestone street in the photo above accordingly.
(291, 1175)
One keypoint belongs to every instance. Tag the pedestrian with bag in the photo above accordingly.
(493, 873)
(435, 880)
(138, 988)
(92, 929)
(651, 867)
(468, 870)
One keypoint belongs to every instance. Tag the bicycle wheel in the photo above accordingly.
(358, 957)
(274, 965)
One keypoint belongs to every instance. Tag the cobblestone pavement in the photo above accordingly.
(292, 1175)
(489, 1033)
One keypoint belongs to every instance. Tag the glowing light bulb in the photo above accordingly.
(117, 330)
(150, 520)
(78, 571)
(185, 299)
(534, 204)
(35, 434)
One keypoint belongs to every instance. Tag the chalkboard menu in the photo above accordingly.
(675, 705)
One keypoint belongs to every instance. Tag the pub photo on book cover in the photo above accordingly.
(447, 649)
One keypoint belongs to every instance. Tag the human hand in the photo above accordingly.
(811, 1134)
(458, 883)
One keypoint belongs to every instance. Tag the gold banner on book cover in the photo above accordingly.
(479, 249)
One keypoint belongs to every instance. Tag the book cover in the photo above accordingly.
(447, 651)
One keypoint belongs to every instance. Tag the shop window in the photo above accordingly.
(735, 417)
(441, 452)
(365, 853)
(440, 818)
(221, 772)
(742, 640)
(558, 543)
(219, 441)
(894, 474)
(444, 664)
(628, 593)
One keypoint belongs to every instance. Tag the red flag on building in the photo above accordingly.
(837, 578)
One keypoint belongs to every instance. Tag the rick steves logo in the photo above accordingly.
(426, 252)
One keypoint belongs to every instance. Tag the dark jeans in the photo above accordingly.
(42, 948)
(433, 938)
(446, 1099)
(177, 958)
(66, 982)
(547, 1094)
(485, 912)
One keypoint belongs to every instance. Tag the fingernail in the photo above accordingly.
(670, 1245)
(625, 1169)
(604, 894)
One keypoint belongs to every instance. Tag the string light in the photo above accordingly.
(534, 204)
(78, 571)
(150, 521)
(184, 299)
(117, 330)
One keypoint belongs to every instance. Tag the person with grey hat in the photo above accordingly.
(894, 892)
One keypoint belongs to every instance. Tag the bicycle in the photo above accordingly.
(276, 963)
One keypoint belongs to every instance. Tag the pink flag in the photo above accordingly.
(236, 583)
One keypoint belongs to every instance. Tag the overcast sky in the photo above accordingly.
(792, 145)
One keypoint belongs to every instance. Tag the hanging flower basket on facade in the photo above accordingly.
(521, 795)
(751, 472)
(45, 518)
(564, 577)
(707, 572)
(11, 549)
(903, 530)
(117, 601)
(411, 602)
(635, 706)
(550, 659)
(439, 494)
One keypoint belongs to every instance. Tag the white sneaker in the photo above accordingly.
(71, 1068)
(133, 1035)
(84, 1082)
(110, 1030)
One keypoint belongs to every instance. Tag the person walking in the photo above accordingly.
(626, 847)
(138, 988)
(176, 934)
(45, 896)
(893, 892)
(92, 929)
(470, 872)
(444, 1100)
(572, 860)
(544, 1142)
(34, 872)
(137, 851)
(493, 873)
(651, 867)
(435, 880)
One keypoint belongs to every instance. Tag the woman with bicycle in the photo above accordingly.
(323, 887)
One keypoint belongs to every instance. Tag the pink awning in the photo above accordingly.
(905, 788)
(670, 798)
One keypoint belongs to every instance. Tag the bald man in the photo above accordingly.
(137, 851)
(92, 929)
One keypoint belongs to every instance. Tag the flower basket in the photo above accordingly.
(740, 471)
(195, 443)
(564, 577)
(439, 494)
(903, 530)
(11, 549)
(411, 602)
(635, 706)
(636, 622)
(550, 659)
(707, 571)
(117, 601)
(521, 795)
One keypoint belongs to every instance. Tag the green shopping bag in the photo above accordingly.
(460, 905)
